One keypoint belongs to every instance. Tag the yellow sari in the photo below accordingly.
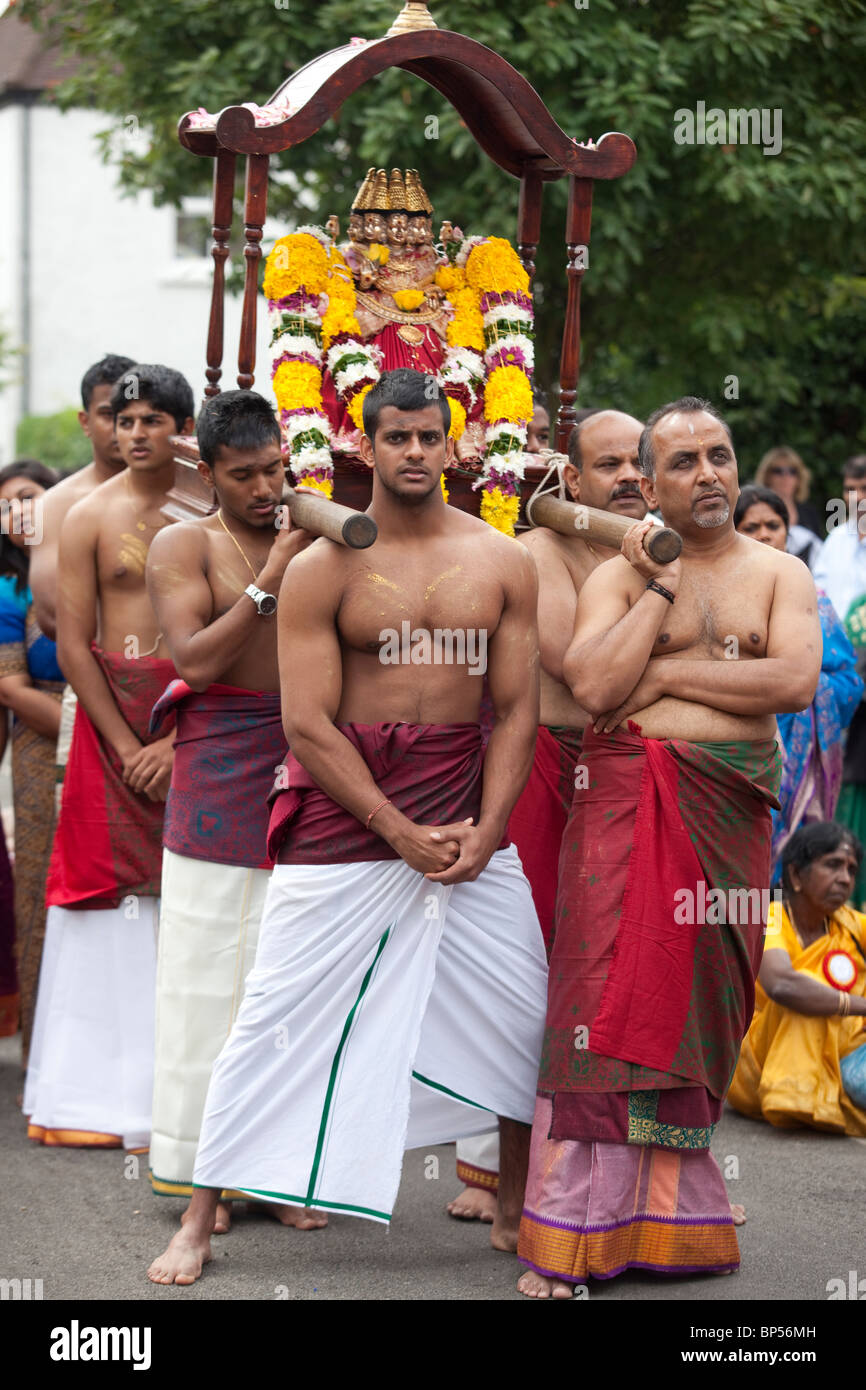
(788, 1072)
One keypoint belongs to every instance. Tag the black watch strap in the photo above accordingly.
(660, 589)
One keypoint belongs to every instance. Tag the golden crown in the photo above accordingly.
(378, 193)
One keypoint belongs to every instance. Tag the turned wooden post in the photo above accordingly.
(577, 245)
(255, 209)
(529, 221)
(223, 191)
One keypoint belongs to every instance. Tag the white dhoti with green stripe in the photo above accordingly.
(384, 1012)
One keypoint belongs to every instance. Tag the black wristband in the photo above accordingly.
(660, 589)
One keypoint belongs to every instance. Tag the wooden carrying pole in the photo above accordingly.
(324, 518)
(605, 528)
(191, 498)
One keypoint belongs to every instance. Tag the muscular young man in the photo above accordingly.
(97, 422)
(658, 941)
(602, 472)
(91, 1065)
(400, 965)
(213, 583)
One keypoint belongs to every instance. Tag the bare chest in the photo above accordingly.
(717, 620)
(388, 602)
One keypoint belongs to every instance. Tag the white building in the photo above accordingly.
(83, 271)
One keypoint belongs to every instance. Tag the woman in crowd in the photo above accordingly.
(812, 738)
(9, 996)
(802, 1061)
(784, 471)
(31, 685)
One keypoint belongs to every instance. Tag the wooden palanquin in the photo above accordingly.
(506, 117)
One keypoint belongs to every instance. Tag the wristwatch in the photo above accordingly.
(266, 604)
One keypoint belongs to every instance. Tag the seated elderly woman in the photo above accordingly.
(803, 1061)
(812, 739)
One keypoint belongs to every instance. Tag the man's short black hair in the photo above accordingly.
(751, 495)
(235, 420)
(854, 467)
(575, 456)
(405, 389)
(162, 387)
(104, 373)
(688, 405)
(812, 842)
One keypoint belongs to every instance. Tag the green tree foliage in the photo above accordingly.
(56, 440)
(706, 261)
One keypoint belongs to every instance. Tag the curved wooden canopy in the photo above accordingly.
(501, 110)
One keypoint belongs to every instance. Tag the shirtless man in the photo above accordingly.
(602, 472)
(400, 959)
(229, 743)
(91, 1066)
(683, 668)
(97, 422)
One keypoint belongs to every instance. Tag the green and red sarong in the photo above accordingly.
(657, 945)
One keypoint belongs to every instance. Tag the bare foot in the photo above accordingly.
(222, 1220)
(536, 1286)
(182, 1262)
(302, 1218)
(503, 1236)
(738, 1214)
(474, 1204)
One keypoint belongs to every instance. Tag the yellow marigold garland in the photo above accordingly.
(495, 265)
(458, 418)
(356, 406)
(444, 488)
(298, 386)
(451, 278)
(500, 511)
(508, 395)
(323, 485)
(466, 329)
(297, 262)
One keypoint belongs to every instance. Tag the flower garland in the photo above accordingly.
(296, 275)
(491, 335)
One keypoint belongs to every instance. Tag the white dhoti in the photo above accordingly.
(384, 1012)
(208, 931)
(478, 1161)
(90, 1077)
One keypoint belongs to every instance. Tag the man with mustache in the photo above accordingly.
(602, 472)
(682, 668)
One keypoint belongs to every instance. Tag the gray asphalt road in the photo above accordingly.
(76, 1220)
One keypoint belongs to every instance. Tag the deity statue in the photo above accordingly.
(397, 215)
(459, 309)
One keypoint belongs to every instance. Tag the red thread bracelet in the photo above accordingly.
(376, 809)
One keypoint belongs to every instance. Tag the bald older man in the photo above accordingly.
(602, 472)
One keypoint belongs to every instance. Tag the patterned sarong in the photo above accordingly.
(658, 942)
(108, 843)
(228, 746)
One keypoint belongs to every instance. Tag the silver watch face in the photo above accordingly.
(267, 605)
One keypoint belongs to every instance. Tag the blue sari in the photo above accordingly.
(812, 738)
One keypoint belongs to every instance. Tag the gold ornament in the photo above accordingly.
(380, 201)
(397, 191)
(363, 198)
(414, 15)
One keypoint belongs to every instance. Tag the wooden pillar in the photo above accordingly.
(529, 221)
(577, 245)
(223, 191)
(255, 209)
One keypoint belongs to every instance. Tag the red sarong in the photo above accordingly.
(108, 843)
(228, 746)
(430, 772)
(664, 989)
(541, 814)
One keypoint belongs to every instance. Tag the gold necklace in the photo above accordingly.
(139, 524)
(236, 541)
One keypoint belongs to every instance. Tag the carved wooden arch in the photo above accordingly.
(502, 111)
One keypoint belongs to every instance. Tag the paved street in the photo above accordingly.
(73, 1219)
